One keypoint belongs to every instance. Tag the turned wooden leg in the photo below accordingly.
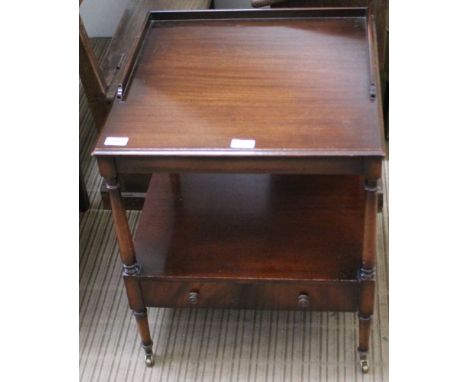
(367, 272)
(146, 342)
(131, 269)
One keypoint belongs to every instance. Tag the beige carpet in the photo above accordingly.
(209, 344)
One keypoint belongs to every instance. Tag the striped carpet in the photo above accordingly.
(209, 344)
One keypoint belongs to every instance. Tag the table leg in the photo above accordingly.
(367, 272)
(131, 268)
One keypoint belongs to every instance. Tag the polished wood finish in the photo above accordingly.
(252, 227)
(289, 224)
(244, 162)
(367, 272)
(127, 253)
(141, 318)
(364, 333)
(124, 237)
(336, 296)
(368, 253)
(117, 66)
(251, 241)
(126, 40)
(379, 8)
(323, 107)
(99, 83)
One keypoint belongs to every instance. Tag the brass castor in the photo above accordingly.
(149, 360)
(364, 366)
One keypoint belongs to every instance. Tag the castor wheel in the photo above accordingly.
(149, 360)
(364, 366)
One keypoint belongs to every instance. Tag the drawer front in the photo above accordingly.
(328, 296)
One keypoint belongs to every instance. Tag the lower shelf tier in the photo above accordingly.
(251, 227)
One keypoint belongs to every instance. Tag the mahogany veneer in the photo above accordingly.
(251, 227)
(288, 223)
(251, 241)
(295, 86)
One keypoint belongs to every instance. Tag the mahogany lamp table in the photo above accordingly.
(263, 132)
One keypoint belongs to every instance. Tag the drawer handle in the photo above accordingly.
(193, 297)
(303, 301)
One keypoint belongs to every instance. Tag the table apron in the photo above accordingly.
(316, 165)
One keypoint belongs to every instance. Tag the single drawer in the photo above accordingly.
(289, 295)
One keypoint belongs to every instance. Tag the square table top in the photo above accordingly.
(288, 86)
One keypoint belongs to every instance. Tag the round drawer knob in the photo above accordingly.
(193, 297)
(303, 301)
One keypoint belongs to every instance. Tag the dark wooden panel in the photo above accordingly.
(379, 8)
(133, 186)
(291, 165)
(116, 65)
(257, 87)
(217, 226)
(129, 32)
(331, 296)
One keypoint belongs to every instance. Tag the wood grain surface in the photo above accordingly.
(210, 344)
(213, 226)
(335, 296)
(129, 31)
(287, 84)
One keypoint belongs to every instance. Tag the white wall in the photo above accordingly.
(101, 17)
